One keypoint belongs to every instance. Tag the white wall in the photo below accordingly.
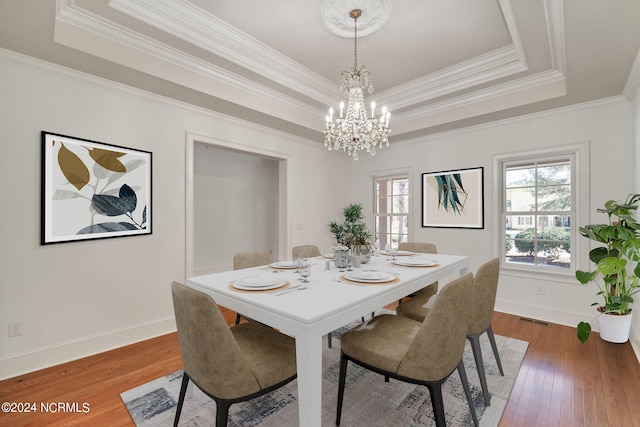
(606, 124)
(235, 206)
(80, 298)
(635, 112)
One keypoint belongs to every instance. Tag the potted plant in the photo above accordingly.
(616, 269)
(353, 232)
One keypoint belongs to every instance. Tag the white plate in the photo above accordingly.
(257, 284)
(368, 276)
(283, 264)
(415, 263)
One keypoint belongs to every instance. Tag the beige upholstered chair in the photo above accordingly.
(230, 365)
(251, 259)
(420, 247)
(305, 251)
(419, 353)
(424, 248)
(247, 260)
(479, 313)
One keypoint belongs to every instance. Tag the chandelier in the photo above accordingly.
(353, 130)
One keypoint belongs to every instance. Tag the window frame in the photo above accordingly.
(579, 155)
(404, 173)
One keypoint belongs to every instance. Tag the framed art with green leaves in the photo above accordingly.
(453, 199)
(93, 190)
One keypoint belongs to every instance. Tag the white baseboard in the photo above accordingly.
(541, 313)
(45, 357)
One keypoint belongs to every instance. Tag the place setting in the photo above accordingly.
(414, 263)
(258, 284)
(364, 277)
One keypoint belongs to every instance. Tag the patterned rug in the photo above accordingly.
(369, 400)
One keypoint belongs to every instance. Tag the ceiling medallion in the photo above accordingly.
(335, 17)
(353, 130)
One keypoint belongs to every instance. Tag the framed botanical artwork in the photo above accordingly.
(93, 190)
(453, 199)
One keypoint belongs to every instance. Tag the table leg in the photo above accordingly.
(309, 364)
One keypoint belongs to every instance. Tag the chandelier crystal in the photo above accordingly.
(353, 130)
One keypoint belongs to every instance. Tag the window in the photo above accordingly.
(539, 208)
(391, 210)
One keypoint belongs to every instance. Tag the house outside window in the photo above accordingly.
(391, 209)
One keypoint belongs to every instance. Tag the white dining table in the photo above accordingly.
(325, 305)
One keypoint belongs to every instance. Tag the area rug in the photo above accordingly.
(369, 400)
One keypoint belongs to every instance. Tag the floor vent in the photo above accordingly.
(537, 322)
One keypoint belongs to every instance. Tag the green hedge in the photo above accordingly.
(549, 242)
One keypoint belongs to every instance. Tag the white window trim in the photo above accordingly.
(579, 246)
(391, 173)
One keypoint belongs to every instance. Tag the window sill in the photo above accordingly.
(551, 276)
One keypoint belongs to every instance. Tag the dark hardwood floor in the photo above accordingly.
(561, 382)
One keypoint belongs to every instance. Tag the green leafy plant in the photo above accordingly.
(353, 230)
(448, 188)
(615, 272)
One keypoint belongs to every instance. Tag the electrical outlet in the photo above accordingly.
(15, 329)
(540, 290)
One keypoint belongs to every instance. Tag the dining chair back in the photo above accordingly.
(305, 251)
(424, 353)
(247, 260)
(251, 259)
(419, 247)
(230, 365)
(428, 291)
(479, 314)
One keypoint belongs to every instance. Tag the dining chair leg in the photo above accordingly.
(222, 412)
(435, 389)
(237, 318)
(477, 355)
(329, 339)
(183, 392)
(492, 339)
(341, 382)
(467, 391)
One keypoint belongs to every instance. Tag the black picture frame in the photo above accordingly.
(453, 198)
(93, 190)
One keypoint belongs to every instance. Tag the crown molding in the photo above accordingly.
(437, 137)
(75, 28)
(494, 65)
(197, 26)
(633, 81)
(89, 80)
(528, 89)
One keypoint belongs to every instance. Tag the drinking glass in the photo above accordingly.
(305, 272)
(350, 260)
(393, 251)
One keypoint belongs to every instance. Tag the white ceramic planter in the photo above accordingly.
(614, 328)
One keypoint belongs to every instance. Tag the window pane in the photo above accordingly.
(519, 177)
(401, 204)
(520, 199)
(554, 198)
(554, 174)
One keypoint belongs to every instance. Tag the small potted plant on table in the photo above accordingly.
(353, 233)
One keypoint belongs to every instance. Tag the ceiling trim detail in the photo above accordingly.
(200, 28)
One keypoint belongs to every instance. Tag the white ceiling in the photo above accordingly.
(437, 64)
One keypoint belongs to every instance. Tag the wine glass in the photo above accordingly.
(393, 252)
(305, 272)
(387, 249)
